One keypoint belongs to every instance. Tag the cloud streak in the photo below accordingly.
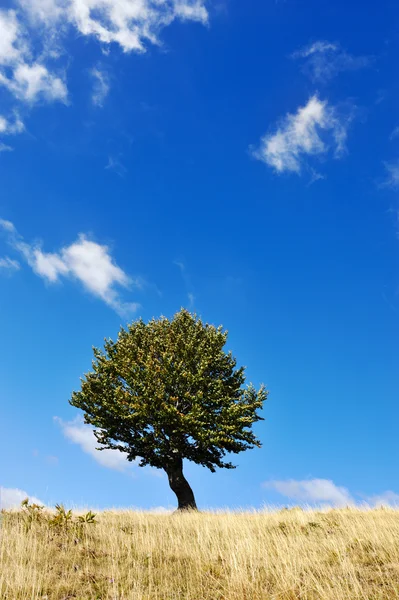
(325, 60)
(187, 282)
(392, 175)
(26, 78)
(85, 261)
(115, 165)
(315, 129)
(9, 264)
(100, 86)
(395, 133)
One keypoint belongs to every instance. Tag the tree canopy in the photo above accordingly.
(165, 391)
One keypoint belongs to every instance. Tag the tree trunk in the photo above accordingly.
(180, 486)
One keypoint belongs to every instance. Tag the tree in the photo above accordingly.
(167, 391)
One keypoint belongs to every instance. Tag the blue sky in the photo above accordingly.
(238, 159)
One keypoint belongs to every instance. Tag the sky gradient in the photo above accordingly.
(237, 159)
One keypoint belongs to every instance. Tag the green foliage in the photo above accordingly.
(87, 518)
(32, 513)
(63, 520)
(167, 389)
(32, 509)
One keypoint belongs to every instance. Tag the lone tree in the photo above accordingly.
(165, 391)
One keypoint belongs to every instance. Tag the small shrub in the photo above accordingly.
(32, 513)
(62, 521)
(87, 518)
(62, 518)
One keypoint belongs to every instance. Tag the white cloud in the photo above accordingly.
(315, 48)
(312, 491)
(49, 266)
(9, 264)
(100, 86)
(324, 60)
(82, 435)
(194, 11)
(392, 177)
(129, 23)
(7, 226)
(27, 79)
(92, 264)
(10, 47)
(313, 130)
(10, 128)
(387, 498)
(86, 261)
(42, 11)
(12, 498)
(33, 34)
(31, 82)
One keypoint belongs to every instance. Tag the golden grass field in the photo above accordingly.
(266, 555)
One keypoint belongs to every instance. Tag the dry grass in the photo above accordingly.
(284, 555)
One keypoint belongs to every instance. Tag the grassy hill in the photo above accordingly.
(272, 555)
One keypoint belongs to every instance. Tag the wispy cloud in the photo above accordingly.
(9, 127)
(84, 260)
(324, 60)
(7, 226)
(114, 164)
(83, 435)
(312, 491)
(315, 129)
(49, 459)
(52, 460)
(395, 133)
(9, 264)
(12, 498)
(187, 282)
(325, 492)
(32, 82)
(315, 176)
(101, 86)
(191, 299)
(392, 175)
